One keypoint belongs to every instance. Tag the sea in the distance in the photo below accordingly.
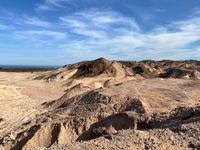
(23, 66)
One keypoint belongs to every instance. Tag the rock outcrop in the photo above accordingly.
(147, 69)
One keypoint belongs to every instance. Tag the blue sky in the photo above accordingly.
(57, 32)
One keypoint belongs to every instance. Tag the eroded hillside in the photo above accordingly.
(116, 105)
(101, 67)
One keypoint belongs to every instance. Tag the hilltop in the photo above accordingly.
(189, 69)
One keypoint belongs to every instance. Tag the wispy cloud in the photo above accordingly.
(95, 33)
(46, 36)
(96, 24)
(51, 4)
(35, 22)
(115, 35)
(17, 20)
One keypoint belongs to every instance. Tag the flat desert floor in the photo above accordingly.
(21, 98)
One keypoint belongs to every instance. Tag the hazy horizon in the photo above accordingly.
(32, 65)
(59, 32)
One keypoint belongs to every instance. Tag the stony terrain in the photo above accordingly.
(101, 67)
(104, 104)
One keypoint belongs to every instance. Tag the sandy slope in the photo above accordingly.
(21, 98)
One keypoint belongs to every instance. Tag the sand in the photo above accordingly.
(21, 97)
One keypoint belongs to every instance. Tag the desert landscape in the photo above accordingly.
(99, 74)
(102, 104)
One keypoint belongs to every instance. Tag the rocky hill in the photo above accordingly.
(102, 67)
(117, 105)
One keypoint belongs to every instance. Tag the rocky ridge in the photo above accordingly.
(102, 67)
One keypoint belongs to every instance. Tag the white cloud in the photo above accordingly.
(51, 4)
(104, 33)
(116, 36)
(71, 22)
(98, 24)
(35, 22)
(41, 34)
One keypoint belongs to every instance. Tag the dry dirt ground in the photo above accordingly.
(21, 98)
(102, 104)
